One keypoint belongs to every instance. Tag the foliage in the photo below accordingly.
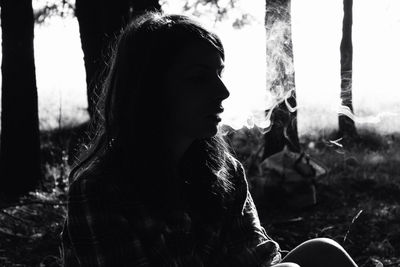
(33, 224)
(44, 10)
(199, 7)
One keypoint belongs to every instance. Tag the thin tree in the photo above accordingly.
(20, 168)
(99, 23)
(280, 78)
(346, 123)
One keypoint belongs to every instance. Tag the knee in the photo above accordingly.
(324, 245)
(286, 264)
(320, 252)
(324, 242)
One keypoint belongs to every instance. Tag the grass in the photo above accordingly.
(357, 201)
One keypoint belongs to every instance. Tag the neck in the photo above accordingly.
(178, 147)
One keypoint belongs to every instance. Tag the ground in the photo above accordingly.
(358, 202)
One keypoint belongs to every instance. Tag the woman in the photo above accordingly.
(157, 185)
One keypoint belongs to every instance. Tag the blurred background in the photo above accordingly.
(316, 34)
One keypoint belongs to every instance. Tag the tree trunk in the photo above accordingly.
(99, 23)
(346, 124)
(20, 146)
(280, 78)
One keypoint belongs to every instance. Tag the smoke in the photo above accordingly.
(266, 82)
(259, 83)
(346, 107)
(370, 119)
(277, 103)
(346, 87)
(279, 54)
(280, 80)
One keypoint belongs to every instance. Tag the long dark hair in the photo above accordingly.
(129, 124)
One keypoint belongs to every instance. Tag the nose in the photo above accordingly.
(222, 91)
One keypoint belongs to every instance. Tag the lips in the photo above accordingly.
(214, 114)
(217, 110)
(214, 118)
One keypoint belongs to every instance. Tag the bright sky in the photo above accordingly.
(316, 38)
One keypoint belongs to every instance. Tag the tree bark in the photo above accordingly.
(280, 61)
(346, 124)
(100, 21)
(20, 145)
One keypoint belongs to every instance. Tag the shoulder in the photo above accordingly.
(237, 172)
(93, 202)
(233, 163)
(238, 180)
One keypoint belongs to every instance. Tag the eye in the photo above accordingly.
(198, 75)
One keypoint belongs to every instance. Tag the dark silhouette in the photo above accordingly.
(347, 128)
(284, 122)
(100, 21)
(169, 194)
(20, 146)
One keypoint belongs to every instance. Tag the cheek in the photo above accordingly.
(187, 105)
(192, 121)
(188, 101)
(187, 109)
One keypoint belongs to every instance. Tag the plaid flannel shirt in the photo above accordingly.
(99, 232)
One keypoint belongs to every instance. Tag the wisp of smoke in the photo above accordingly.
(279, 78)
(279, 60)
(372, 119)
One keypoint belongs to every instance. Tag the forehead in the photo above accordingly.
(199, 53)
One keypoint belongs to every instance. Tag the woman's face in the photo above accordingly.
(195, 92)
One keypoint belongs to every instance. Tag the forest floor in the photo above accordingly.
(358, 201)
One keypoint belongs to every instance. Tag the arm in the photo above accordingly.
(99, 234)
(247, 243)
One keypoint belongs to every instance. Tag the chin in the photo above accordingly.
(213, 132)
(208, 132)
(204, 129)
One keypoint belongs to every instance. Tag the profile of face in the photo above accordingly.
(195, 91)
